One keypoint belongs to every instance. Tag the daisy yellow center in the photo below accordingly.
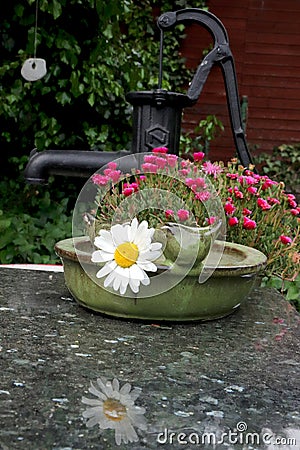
(126, 254)
(114, 410)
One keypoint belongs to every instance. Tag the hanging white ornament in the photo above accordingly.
(34, 69)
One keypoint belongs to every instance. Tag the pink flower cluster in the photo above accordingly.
(159, 159)
(252, 189)
(111, 174)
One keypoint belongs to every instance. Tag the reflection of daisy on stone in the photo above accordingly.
(115, 409)
(128, 252)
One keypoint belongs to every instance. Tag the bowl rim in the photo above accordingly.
(251, 259)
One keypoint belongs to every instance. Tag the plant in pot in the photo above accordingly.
(149, 240)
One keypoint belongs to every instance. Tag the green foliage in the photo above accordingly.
(199, 140)
(96, 52)
(283, 164)
(290, 289)
(32, 219)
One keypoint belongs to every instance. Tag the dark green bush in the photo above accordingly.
(33, 218)
(96, 52)
(283, 164)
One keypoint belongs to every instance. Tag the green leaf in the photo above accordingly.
(4, 224)
(57, 9)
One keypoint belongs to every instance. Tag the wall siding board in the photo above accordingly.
(264, 37)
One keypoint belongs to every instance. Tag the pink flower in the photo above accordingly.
(273, 201)
(183, 214)
(268, 183)
(169, 213)
(212, 169)
(285, 239)
(189, 182)
(161, 162)
(115, 175)
(249, 224)
(203, 196)
(291, 196)
(198, 156)
(246, 212)
(211, 220)
(278, 320)
(99, 179)
(263, 204)
(292, 203)
(148, 167)
(200, 182)
(112, 165)
(229, 208)
(252, 190)
(238, 193)
(150, 159)
(184, 172)
(295, 212)
(184, 163)
(172, 160)
(133, 186)
(160, 150)
(232, 176)
(128, 191)
(232, 221)
(249, 180)
(142, 178)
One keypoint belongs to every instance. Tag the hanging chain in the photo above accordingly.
(35, 29)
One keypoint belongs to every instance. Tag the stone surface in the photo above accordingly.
(213, 377)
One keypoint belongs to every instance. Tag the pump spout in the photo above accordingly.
(68, 163)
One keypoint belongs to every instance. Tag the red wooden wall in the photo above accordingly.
(264, 38)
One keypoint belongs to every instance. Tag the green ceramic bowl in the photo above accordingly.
(219, 296)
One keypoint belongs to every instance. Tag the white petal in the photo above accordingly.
(142, 237)
(125, 389)
(155, 246)
(147, 265)
(134, 285)
(133, 229)
(104, 244)
(105, 234)
(122, 271)
(101, 256)
(146, 280)
(149, 256)
(119, 234)
(109, 266)
(123, 287)
(117, 283)
(115, 384)
(136, 273)
(93, 401)
(109, 279)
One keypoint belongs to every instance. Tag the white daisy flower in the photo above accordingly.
(128, 252)
(115, 409)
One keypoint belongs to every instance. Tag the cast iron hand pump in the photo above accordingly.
(221, 55)
(157, 114)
